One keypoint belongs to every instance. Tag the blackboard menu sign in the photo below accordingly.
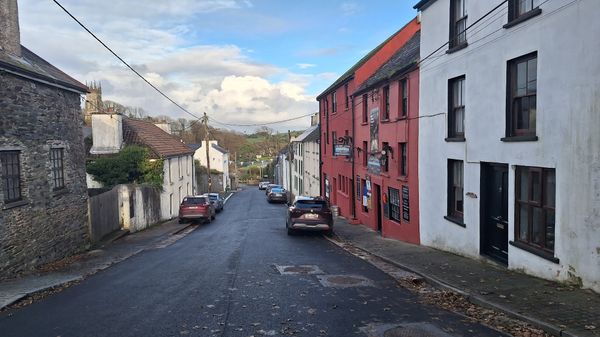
(405, 204)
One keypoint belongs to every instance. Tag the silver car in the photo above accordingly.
(216, 200)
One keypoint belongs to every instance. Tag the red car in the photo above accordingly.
(196, 208)
(309, 214)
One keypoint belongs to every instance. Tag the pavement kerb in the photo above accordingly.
(229, 196)
(475, 299)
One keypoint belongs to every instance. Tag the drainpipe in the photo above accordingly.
(352, 160)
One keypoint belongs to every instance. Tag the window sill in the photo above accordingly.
(385, 120)
(401, 118)
(455, 139)
(457, 48)
(535, 251)
(15, 204)
(384, 174)
(402, 178)
(364, 123)
(455, 221)
(519, 139)
(532, 13)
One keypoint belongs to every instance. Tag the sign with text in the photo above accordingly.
(405, 204)
(341, 150)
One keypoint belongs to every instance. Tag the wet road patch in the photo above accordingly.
(344, 281)
(299, 270)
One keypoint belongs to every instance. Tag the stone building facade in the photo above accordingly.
(43, 194)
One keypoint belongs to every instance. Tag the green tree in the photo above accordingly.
(132, 165)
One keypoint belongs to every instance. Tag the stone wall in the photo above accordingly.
(46, 225)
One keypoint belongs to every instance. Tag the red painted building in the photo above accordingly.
(383, 85)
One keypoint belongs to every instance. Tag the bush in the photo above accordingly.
(132, 165)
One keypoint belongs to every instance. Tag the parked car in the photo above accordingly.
(216, 200)
(270, 186)
(277, 195)
(196, 208)
(263, 185)
(309, 214)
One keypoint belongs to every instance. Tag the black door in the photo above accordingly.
(494, 211)
(377, 206)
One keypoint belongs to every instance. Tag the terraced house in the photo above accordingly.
(43, 194)
(511, 170)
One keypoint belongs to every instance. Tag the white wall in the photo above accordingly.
(218, 161)
(178, 182)
(568, 118)
(311, 169)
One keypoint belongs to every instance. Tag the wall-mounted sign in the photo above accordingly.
(405, 204)
(341, 150)
(373, 164)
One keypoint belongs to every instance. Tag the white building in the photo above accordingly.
(110, 132)
(512, 146)
(219, 160)
(305, 168)
(282, 169)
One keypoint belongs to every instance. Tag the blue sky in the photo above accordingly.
(241, 61)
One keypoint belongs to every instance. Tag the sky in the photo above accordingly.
(240, 61)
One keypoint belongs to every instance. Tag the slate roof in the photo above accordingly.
(314, 135)
(35, 67)
(194, 147)
(402, 61)
(161, 143)
(423, 4)
(310, 132)
(350, 73)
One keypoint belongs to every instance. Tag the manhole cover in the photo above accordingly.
(344, 281)
(299, 270)
(416, 330)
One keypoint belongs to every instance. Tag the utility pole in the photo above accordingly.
(236, 169)
(209, 178)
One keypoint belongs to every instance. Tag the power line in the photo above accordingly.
(261, 124)
(124, 62)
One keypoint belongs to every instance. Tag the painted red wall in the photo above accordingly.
(395, 131)
(335, 168)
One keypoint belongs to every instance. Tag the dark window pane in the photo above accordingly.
(550, 230)
(458, 195)
(523, 222)
(459, 120)
(537, 226)
(523, 184)
(521, 79)
(536, 186)
(532, 112)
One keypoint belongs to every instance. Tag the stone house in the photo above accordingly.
(110, 132)
(43, 194)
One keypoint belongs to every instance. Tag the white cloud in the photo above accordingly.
(349, 8)
(222, 80)
(306, 65)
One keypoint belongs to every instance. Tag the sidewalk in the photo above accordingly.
(78, 267)
(557, 308)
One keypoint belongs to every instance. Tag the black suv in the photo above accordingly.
(310, 214)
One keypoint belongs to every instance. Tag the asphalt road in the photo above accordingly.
(222, 280)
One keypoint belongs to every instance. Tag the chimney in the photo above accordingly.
(166, 127)
(10, 39)
(107, 133)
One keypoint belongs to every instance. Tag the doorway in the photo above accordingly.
(377, 206)
(494, 211)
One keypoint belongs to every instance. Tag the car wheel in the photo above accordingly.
(329, 233)
(181, 221)
(291, 232)
(212, 217)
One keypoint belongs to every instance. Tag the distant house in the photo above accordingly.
(43, 195)
(219, 160)
(282, 168)
(305, 169)
(111, 132)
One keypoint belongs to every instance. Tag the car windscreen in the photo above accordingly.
(213, 197)
(194, 201)
(311, 204)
